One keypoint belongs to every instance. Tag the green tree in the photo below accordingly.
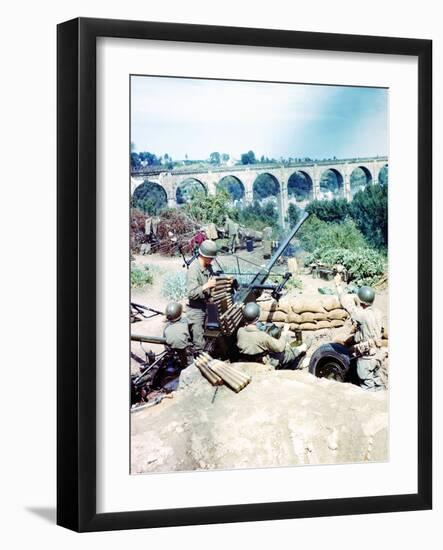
(369, 209)
(334, 210)
(207, 208)
(293, 215)
(214, 158)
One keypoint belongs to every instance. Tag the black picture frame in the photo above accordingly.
(76, 294)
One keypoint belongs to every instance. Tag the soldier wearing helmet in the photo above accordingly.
(367, 323)
(176, 331)
(256, 345)
(199, 281)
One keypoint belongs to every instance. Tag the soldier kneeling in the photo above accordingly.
(176, 333)
(256, 345)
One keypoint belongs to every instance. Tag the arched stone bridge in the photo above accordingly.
(246, 176)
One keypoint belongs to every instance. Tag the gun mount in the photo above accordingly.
(224, 313)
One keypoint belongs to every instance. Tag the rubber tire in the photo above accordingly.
(330, 361)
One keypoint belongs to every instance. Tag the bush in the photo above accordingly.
(322, 236)
(141, 276)
(365, 266)
(255, 216)
(208, 208)
(174, 286)
(293, 215)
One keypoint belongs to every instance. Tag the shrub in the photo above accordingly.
(320, 236)
(174, 286)
(141, 276)
(208, 208)
(365, 266)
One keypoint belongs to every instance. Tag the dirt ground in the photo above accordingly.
(282, 418)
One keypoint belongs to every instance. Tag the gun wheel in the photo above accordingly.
(330, 361)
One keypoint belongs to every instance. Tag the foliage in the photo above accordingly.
(248, 158)
(141, 275)
(365, 266)
(214, 158)
(208, 208)
(138, 236)
(334, 210)
(321, 236)
(150, 198)
(369, 209)
(232, 185)
(256, 216)
(293, 215)
(300, 186)
(174, 286)
(265, 186)
(144, 158)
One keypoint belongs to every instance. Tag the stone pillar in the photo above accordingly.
(283, 202)
(347, 183)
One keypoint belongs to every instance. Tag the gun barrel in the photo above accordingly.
(148, 339)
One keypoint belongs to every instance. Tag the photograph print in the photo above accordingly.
(259, 304)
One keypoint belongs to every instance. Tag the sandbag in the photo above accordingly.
(323, 324)
(294, 317)
(335, 323)
(265, 316)
(284, 306)
(308, 326)
(330, 302)
(278, 316)
(320, 316)
(294, 326)
(302, 304)
(340, 314)
(307, 317)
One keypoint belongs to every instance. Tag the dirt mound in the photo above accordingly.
(282, 418)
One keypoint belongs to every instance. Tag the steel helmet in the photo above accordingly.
(208, 249)
(366, 295)
(251, 312)
(173, 311)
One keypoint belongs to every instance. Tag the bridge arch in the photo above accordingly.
(383, 175)
(359, 178)
(301, 186)
(234, 186)
(186, 187)
(150, 197)
(331, 184)
(264, 186)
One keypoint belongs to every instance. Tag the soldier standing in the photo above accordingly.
(368, 332)
(256, 345)
(199, 281)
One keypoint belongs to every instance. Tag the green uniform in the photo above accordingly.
(368, 325)
(231, 228)
(177, 334)
(196, 277)
(256, 344)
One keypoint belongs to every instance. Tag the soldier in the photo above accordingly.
(368, 332)
(256, 345)
(176, 332)
(231, 230)
(199, 281)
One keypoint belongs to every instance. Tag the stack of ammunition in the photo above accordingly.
(231, 318)
(221, 294)
(218, 372)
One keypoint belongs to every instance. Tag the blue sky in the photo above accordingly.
(196, 117)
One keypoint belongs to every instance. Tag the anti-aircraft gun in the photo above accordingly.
(225, 310)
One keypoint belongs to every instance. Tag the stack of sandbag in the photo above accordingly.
(305, 312)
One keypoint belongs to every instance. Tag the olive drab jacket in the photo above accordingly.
(196, 277)
(252, 341)
(177, 334)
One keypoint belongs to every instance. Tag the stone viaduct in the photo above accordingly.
(247, 176)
